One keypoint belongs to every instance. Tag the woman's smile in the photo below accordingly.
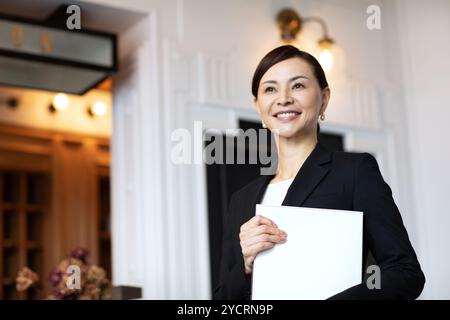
(287, 116)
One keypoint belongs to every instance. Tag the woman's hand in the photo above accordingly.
(256, 235)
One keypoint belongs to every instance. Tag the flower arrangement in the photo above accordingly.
(94, 284)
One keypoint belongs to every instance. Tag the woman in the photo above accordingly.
(291, 94)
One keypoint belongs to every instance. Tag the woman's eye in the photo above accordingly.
(269, 89)
(298, 86)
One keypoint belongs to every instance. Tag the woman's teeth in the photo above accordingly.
(286, 114)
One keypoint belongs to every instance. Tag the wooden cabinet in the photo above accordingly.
(24, 206)
(54, 197)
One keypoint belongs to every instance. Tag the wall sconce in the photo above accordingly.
(60, 102)
(97, 109)
(290, 24)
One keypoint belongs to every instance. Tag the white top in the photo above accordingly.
(276, 192)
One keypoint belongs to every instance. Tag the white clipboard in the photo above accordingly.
(322, 255)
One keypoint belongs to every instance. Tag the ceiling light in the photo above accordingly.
(60, 102)
(98, 109)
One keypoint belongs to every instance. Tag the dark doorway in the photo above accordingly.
(224, 179)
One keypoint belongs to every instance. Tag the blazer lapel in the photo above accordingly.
(308, 177)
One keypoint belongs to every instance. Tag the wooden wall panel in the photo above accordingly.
(75, 196)
(14, 160)
(73, 164)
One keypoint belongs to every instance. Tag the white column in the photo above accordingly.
(159, 239)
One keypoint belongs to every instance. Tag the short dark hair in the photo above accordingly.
(283, 53)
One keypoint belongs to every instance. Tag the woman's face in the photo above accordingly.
(290, 99)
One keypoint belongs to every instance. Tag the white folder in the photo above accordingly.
(322, 255)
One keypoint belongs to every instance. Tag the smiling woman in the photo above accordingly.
(291, 94)
(290, 85)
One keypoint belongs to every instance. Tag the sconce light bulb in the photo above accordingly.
(60, 101)
(326, 59)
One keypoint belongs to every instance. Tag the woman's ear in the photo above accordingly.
(325, 99)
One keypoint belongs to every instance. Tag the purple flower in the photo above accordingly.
(80, 254)
(60, 295)
(55, 277)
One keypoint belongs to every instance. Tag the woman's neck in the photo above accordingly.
(292, 153)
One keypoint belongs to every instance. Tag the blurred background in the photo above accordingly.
(87, 122)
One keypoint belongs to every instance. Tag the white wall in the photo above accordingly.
(201, 54)
(426, 77)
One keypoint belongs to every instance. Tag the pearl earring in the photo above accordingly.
(263, 124)
(322, 117)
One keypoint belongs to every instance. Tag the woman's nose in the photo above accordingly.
(285, 100)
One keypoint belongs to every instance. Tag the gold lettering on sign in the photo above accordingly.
(46, 42)
(17, 36)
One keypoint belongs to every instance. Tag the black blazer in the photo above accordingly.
(332, 180)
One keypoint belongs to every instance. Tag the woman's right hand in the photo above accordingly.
(256, 235)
